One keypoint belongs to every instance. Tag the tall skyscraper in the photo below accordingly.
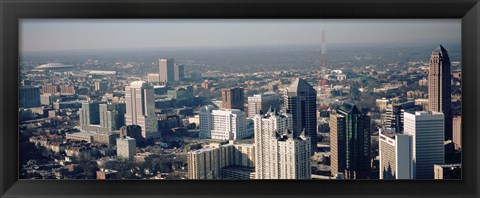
(395, 152)
(233, 98)
(166, 70)
(291, 155)
(301, 102)
(439, 87)
(29, 96)
(350, 142)
(140, 108)
(261, 103)
(426, 129)
(178, 72)
(224, 124)
(265, 128)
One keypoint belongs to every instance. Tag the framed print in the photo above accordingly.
(242, 99)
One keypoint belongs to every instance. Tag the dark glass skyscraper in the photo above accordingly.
(301, 102)
(439, 87)
(351, 142)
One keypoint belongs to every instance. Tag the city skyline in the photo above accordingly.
(360, 113)
(99, 34)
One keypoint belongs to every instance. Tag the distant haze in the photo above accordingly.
(86, 34)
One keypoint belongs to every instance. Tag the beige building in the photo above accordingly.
(166, 70)
(140, 103)
(337, 143)
(207, 163)
(457, 132)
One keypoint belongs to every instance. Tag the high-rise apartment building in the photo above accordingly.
(233, 98)
(224, 124)
(301, 102)
(261, 103)
(265, 128)
(126, 147)
(291, 155)
(395, 151)
(166, 70)
(140, 108)
(29, 96)
(350, 142)
(426, 129)
(439, 87)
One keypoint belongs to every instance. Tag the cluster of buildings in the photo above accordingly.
(285, 125)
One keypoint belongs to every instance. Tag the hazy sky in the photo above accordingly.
(68, 34)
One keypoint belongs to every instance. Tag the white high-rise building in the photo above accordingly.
(205, 121)
(140, 102)
(290, 157)
(427, 131)
(395, 152)
(262, 102)
(277, 155)
(265, 128)
(224, 124)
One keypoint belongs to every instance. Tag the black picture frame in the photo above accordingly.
(12, 10)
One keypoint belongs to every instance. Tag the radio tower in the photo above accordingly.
(323, 55)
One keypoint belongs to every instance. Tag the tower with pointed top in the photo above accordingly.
(439, 87)
(301, 102)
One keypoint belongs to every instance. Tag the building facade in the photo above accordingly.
(166, 70)
(29, 96)
(426, 129)
(457, 132)
(208, 162)
(140, 108)
(301, 102)
(233, 98)
(259, 104)
(265, 129)
(439, 87)
(395, 151)
(126, 147)
(224, 124)
(350, 130)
